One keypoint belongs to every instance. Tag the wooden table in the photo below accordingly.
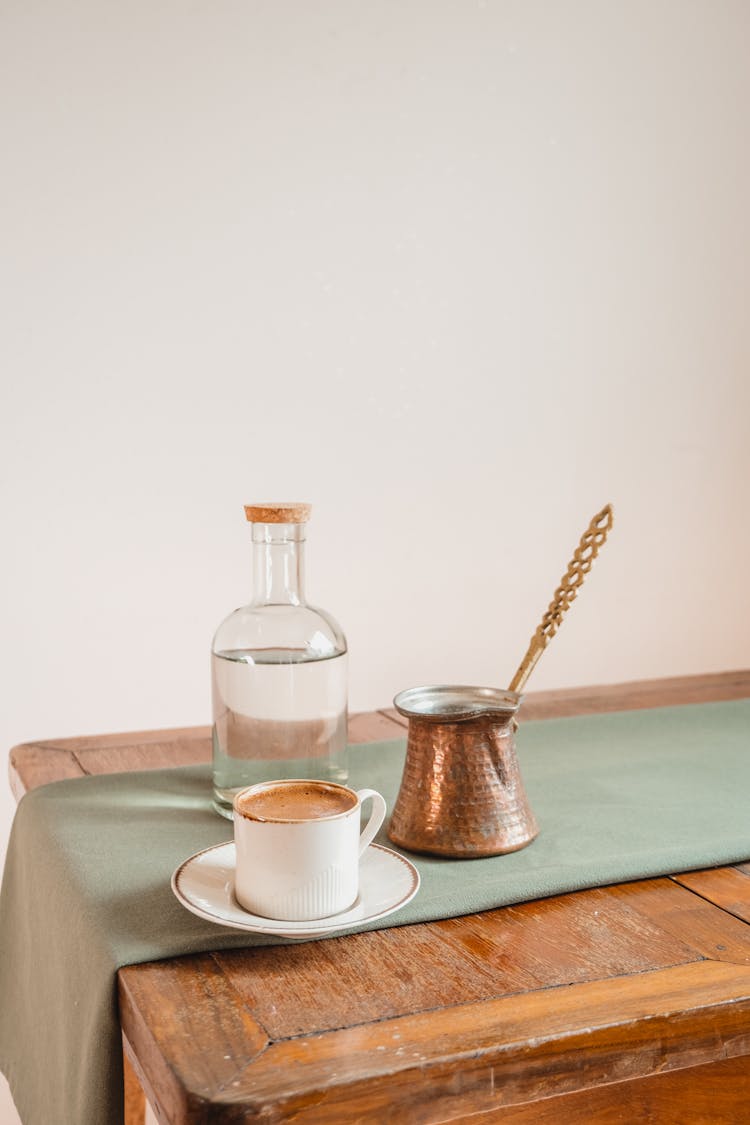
(622, 1004)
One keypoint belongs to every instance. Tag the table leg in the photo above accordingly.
(135, 1099)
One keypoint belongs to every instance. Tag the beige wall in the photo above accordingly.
(458, 273)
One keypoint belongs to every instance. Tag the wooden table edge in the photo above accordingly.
(360, 1070)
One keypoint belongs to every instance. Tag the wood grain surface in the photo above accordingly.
(701, 1095)
(525, 1002)
(619, 1004)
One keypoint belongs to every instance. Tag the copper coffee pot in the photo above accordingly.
(461, 793)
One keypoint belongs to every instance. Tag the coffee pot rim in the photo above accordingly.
(450, 703)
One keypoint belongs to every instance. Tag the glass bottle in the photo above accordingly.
(278, 671)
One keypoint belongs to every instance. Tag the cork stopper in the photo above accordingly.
(278, 513)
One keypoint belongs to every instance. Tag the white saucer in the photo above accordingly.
(204, 884)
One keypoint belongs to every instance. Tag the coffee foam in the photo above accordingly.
(294, 801)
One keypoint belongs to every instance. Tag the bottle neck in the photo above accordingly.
(278, 564)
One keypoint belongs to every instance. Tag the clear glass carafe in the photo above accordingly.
(278, 671)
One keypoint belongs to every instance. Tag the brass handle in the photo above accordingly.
(592, 540)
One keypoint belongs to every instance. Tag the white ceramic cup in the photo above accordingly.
(298, 846)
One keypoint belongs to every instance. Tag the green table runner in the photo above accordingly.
(86, 885)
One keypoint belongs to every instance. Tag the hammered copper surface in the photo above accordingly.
(461, 793)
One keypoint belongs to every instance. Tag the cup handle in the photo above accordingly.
(377, 816)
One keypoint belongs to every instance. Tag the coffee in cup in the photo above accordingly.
(298, 845)
(295, 801)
